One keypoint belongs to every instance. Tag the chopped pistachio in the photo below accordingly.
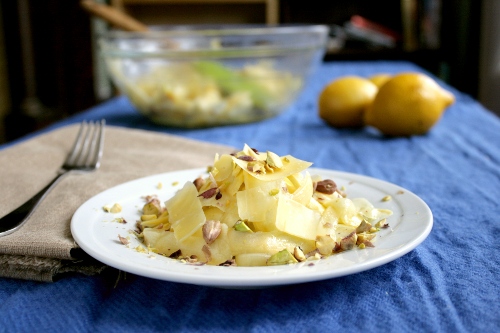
(299, 254)
(246, 158)
(199, 182)
(209, 193)
(348, 242)
(326, 186)
(283, 257)
(363, 227)
(123, 240)
(120, 220)
(382, 224)
(116, 208)
(274, 191)
(273, 160)
(211, 230)
(256, 166)
(152, 207)
(364, 237)
(325, 244)
(242, 226)
(387, 198)
(141, 249)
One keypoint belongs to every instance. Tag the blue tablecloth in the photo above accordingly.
(450, 283)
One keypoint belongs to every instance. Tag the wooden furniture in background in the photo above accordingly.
(180, 12)
(4, 84)
(66, 65)
(153, 12)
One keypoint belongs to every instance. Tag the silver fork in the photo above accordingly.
(85, 155)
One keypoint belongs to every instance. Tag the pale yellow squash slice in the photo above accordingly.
(223, 168)
(160, 241)
(368, 212)
(266, 242)
(296, 219)
(328, 223)
(231, 215)
(346, 211)
(220, 250)
(234, 183)
(213, 213)
(185, 212)
(304, 192)
(258, 204)
(165, 243)
(342, 231)
(251, 259)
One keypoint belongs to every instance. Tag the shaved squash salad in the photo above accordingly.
(255, 209)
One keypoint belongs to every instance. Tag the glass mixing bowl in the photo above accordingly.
(201, 76)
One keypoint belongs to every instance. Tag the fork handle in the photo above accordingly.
(15, 219)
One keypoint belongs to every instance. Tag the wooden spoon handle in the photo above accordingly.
(113, 16)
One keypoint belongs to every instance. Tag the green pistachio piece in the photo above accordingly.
(273, 160)
(274, 192)
(283, 257)
(242, 226)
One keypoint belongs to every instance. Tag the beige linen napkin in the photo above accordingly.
(43, 248)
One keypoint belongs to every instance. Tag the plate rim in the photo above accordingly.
(242, 281)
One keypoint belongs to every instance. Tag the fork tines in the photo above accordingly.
(87, 148)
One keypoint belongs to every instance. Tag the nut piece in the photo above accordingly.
(282, 257)
(273, 160)
(152, 207)
(116, 208)
(246, 158)
(274, 192)
(299, 254)
(364, 238)
(363, 227)
(387, 198)
(209, 193)
(256, 166)
(349, 242)
(326, 186)
(382, 224)
(325, 244)
(199, 182)
(123, 240)
(241, 226)
(211, 230)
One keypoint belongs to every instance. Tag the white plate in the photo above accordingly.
(96, 232)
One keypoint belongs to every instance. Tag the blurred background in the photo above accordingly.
(50, 68)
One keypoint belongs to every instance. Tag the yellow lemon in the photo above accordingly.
(342, 102)
(408, 104)
(380, 78)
